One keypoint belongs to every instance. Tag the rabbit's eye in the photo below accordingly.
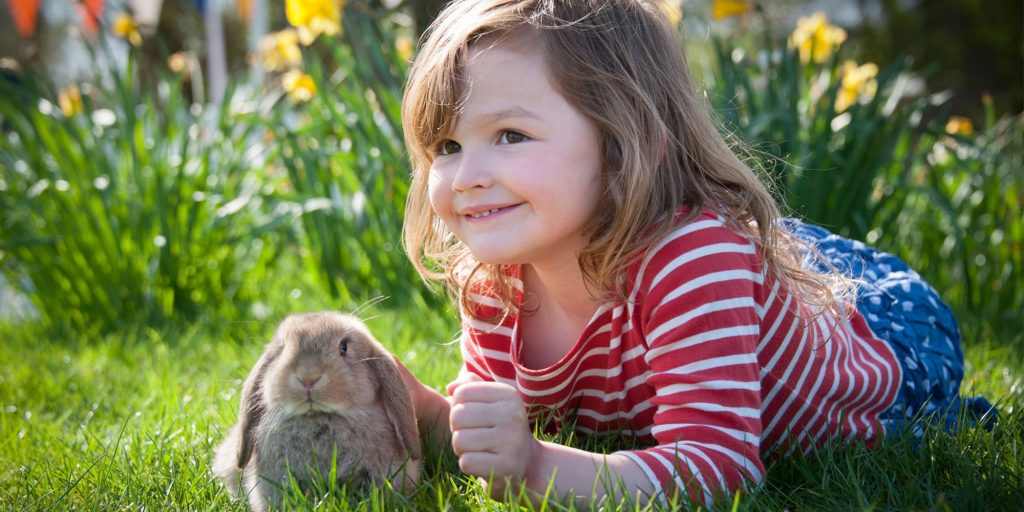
(343, 347)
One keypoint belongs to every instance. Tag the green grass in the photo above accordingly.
(129, 421)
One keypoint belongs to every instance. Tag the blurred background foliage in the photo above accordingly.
(971, 47)
(131, 196)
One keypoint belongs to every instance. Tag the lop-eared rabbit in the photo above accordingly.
(323, 391)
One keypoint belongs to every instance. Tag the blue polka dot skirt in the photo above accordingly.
(905, 311)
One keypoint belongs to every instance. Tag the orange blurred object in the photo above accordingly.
(244, 8)
(25, 14)
(90, 11)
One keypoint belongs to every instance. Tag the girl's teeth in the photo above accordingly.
(483, 214)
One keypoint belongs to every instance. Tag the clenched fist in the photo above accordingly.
(491, 432)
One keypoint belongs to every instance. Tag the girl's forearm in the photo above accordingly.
(432, 417)
(584, 476)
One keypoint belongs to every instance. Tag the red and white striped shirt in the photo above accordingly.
(710, 361)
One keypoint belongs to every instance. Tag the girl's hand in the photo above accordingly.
(491, 433)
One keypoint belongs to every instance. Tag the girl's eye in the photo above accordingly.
(448, 147)
(343, 347)
(511, 137)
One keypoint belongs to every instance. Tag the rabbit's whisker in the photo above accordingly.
(369, 304)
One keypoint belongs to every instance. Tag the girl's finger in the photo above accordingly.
(474, 440)
(463, 378)
(485, 391)
(485, 465)
(486, 414)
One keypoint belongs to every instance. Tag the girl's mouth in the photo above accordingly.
(484, 214)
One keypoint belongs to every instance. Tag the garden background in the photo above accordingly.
(165, 201)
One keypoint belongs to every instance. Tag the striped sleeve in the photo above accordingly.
(700, 321)
(484, 343)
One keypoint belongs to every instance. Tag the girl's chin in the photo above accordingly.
(495, 256)
(494, 259)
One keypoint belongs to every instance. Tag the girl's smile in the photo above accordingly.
(481, 213)
(518, 179)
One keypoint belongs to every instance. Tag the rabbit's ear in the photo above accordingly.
(253, 408)
(397, 403)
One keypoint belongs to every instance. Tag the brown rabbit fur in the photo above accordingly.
(324, 388)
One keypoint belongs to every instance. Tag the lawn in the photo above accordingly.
(130, 420)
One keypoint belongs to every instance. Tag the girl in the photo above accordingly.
(619, 269)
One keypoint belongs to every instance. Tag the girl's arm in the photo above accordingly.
(431, 408)
(588, 476)
(492, 438)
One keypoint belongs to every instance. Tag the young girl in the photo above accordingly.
(619, 269)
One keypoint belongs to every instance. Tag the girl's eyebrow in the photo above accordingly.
(498, 116)
(513, 112)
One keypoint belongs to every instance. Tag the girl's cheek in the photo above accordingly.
(439, 194)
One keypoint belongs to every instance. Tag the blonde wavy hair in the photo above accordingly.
(620, 64)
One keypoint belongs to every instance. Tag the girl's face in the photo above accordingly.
(519, 178)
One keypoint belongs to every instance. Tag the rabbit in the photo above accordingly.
(323, 389)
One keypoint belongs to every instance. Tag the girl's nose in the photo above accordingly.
(471, 171)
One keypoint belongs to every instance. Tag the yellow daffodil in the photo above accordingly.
(673, 11)
(721, 9)
(280, 50)
(125, 27)
(815, 38)
(299, 86)
(858, 83)
(70, 100)
(314, 17)
(959, 125)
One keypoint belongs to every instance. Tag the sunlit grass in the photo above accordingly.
(130, 421)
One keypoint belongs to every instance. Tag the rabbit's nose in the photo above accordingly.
(308, 382)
